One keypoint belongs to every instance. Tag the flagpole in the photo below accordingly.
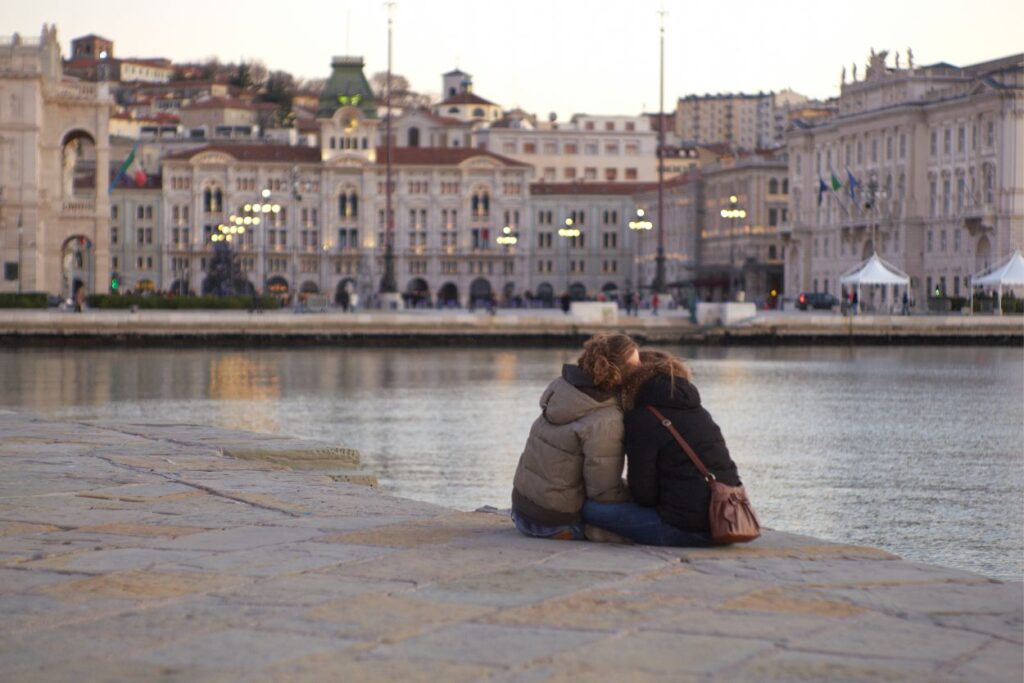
(659, 273)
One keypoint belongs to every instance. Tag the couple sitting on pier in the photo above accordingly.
(568, 484)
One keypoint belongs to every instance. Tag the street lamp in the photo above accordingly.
(572, 232)
(507, 237)
(733, 213)
(639, 224)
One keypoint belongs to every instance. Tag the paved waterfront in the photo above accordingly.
(507, 326)
(132, 552)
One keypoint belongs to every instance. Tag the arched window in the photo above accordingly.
(218, 200)
(353, 202)
(207, 200)
(785, 186)
(414, 137)
(478, 112)
(343, 204)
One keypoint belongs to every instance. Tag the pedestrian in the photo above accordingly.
(654, 303)
(574, 451)
(670, 498)
(566, 303)
(79, 298)
(906, 303)
(854, 300)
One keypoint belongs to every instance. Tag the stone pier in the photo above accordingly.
(182, 553)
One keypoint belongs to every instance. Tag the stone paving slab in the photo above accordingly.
(157, 553)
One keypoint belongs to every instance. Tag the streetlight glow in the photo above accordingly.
(265, 193)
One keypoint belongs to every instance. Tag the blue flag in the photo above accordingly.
(822, 189)
(852, 184)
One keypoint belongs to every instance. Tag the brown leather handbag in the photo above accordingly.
(730, 514)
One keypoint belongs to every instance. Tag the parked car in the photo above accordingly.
(816, 300)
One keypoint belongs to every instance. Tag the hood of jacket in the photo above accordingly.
(650, 386)
(572, 396)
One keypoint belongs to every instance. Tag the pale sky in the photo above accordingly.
(566, 56)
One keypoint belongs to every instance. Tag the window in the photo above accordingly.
(590, 148)
(935, 143)
(903, 145)
(611, 174)
(945, 196)
(113, 235)
(571, 148)
(529, 148)
(551, 147)
(773, 186)
(569, 173)
(773, 217)
(611, 148)
(947, 141)
(874, 150)
(961, 139)
(942, 241)
(888, 148)
(785, 186)
(928, 241)
(113, 212)
(140, 213)
(990, 134)
(590, 173)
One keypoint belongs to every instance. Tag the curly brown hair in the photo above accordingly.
(604, 359)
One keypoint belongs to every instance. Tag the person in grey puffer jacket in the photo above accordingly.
(575, 448)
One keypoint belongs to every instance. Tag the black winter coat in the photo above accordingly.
(660, 473)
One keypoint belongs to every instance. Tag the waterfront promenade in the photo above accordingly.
(507, 326)
(174, 552)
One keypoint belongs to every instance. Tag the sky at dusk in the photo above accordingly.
(566, 56)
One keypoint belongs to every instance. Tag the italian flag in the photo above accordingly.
(139, 175)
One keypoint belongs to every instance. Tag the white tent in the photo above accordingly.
(875, 271)
(1009, 272)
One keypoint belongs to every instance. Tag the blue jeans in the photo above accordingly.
(640, 524)
(568, 532)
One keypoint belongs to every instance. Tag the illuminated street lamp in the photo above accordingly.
(572, 232)
(639, 224)
(507, 237)
(733, 213)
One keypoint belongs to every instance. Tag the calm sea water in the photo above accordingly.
(916, 450)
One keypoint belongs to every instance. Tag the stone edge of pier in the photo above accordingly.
(181, 552)
(156, 328)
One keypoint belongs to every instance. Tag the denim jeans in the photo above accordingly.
(568, 532)
(640, 524)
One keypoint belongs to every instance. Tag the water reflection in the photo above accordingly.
(918, 450)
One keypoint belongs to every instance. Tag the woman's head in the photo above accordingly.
(654, 364)
(608, 359)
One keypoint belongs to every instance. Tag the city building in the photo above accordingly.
(578, 239)
(603, 149)
(681, 220)
(460, 102)
(923, 165)
(745, 204)
(54, 234)
(92, 59)
(743, 121)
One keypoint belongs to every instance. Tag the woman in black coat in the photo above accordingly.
(670, 497)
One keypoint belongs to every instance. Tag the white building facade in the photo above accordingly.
(54, 158)
(940, 149)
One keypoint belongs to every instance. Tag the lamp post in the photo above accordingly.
(639, 224)
(253, 215)
(733, 213)
(659, 274)
(569, 231)
(388, 285)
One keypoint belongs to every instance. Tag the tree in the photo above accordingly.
(279, 88)
(402, 94)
